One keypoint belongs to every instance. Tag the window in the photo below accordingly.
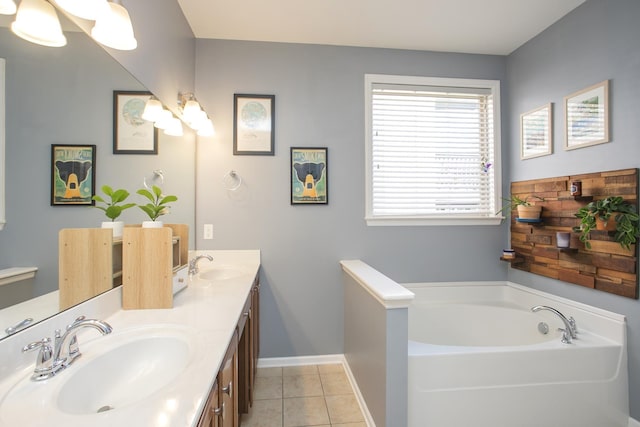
(432, 151)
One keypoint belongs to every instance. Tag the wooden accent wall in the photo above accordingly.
(606, 266)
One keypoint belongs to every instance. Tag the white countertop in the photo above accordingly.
(207, 310)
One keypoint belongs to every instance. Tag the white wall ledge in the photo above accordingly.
(15, 274)
(388, 293)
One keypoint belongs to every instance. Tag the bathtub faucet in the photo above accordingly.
(570, 330)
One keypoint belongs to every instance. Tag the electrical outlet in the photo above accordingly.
(208, 231)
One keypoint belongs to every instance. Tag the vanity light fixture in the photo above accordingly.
(7, 7)
(37, 22)
(85, 9)
(162, 122)
(113, 28)
(207, 129)
(152, 109)
(174, 127)
(189, 106)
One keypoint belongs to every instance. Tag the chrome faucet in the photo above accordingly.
(193, 264)
(570, 330)
(65, 350)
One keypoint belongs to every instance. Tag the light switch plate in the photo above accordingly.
(208, 231)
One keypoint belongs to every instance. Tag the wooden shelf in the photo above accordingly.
(538, 221)
(567, 249)
(516, 260)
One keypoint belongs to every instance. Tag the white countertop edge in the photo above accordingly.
(388, 292)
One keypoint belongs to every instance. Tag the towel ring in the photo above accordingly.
(157, 174)
(232, 181)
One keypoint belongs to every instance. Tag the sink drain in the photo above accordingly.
(105, 408)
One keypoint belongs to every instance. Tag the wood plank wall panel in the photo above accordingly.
(606, 266)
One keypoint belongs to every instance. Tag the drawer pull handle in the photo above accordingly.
(228, 389)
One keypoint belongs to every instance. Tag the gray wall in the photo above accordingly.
(320, 102)
(600, 40)
(64, 96)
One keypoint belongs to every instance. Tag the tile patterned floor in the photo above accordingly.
(302, 396)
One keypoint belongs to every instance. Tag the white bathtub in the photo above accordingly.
(477, 359)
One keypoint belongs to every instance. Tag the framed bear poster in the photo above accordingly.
(309, 183)
(73, 175)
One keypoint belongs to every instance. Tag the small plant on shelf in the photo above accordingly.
(611, 214)
(158, 204)
(112, 207)
(524, 207)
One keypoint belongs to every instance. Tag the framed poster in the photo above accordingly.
(254, 122)
(131, 133)
(586, 115)
(536, 134)
(309, 183)
(73, 175)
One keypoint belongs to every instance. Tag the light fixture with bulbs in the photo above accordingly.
(152, 109)
(37, 22)
(113, 27)
(7, 7)
(194, 115)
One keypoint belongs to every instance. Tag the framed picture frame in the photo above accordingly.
(73, 175)
(254, 120)
(131, 133)
(536, 132)
(309, 176)
(587, 116)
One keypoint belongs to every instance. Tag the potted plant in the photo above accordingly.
(610, 214)
(113, 207)
(157, 206)
(526, 210)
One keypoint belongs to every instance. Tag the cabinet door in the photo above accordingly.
(211, 414)
(228, 380)
(255, 334)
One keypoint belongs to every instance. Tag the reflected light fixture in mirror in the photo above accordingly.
(113, 28)
(163, 120)
(152, 109)
(7, 7)
(85, 9)
(37, 22)
(174, 127)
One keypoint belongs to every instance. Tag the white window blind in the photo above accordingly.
(432, 151)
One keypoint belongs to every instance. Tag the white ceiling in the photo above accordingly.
(471, 26)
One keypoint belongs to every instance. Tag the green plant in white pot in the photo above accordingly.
(113, 207)
(158, 205)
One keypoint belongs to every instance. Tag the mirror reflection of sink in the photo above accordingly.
(222, 272)
(123, 375)
(120, 371)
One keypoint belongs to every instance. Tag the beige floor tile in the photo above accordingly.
(335, 384)
(301, 386)
(268, 388)
(269, 372)
(305, 411)
(350, 425)
(344, 409)
(334, 368)
(300, 370)
(263, 413)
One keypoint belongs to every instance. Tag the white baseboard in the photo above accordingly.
(633, 422)
(275, 362)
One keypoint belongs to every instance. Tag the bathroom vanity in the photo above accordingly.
(191, 365)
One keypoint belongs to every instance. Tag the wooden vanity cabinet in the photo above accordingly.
(221, 409)
(248, 331)
(232, 392)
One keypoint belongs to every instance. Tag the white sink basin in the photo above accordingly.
(123, 376)
(222, 272)
(114, 372)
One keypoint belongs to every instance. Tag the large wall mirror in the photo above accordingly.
(64, 96)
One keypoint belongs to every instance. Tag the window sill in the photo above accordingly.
(431, 221)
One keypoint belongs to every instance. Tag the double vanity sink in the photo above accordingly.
(157, 366)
